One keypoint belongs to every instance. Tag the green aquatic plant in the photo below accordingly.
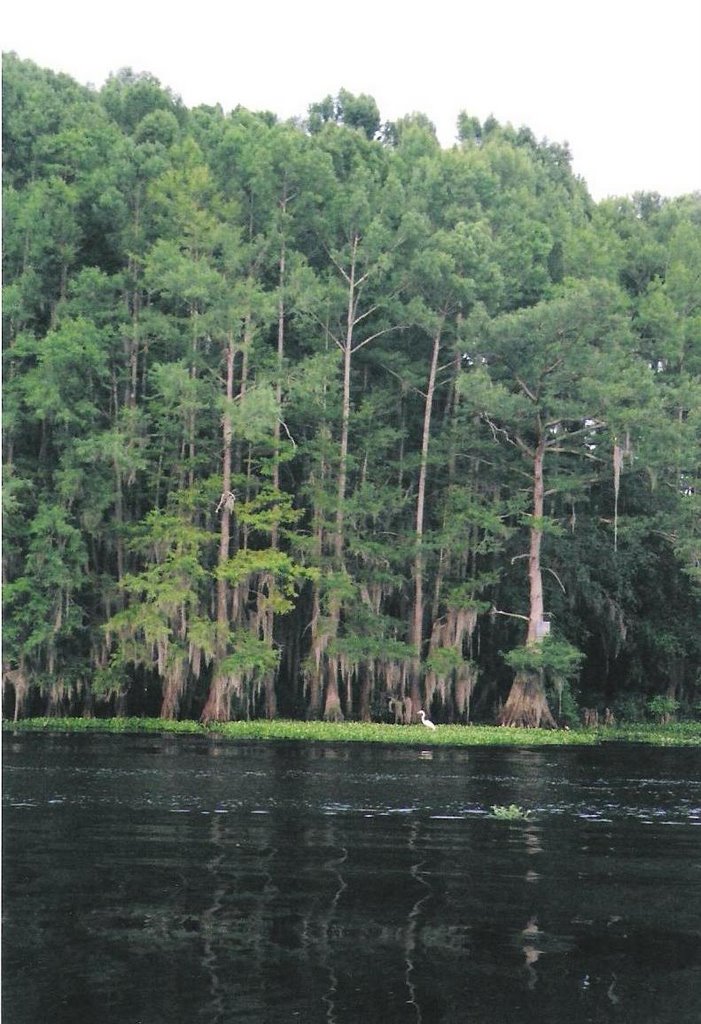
(511, 813)
(675, 734)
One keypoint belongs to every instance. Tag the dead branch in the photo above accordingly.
(227, 501)
(286, 429)
(511, 615)
(552, 571)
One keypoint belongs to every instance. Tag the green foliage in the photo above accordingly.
(556, 657)
(249, 656)
(463, 595)
(511, 813)
(268, 509)
(630, 709)
(285, 575)
(443, 661)
(356, 650)
(681, 734)
(109, 680)
(662, 708)
(563, 701)
(219, 334)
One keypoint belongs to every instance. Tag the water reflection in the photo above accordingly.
(412, 928)
(208, 920)
(193, 881)
(334, 866)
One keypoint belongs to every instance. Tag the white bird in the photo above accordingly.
(426, 721)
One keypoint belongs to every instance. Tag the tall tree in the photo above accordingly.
(540, 387)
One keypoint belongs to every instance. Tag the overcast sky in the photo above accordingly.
(619, 80)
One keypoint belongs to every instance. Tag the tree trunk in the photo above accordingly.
(278, 385)
(218, 699)
(247, 335)
(134, 345)
(119, 530)
(218, 706)
(416, 632)
(314, 668)
(313, 673)
(345, 415)
(270, 696)
(364, 710)
(527, 704)
(331, 668)
(173, 682)
(535, 574)
(191, 416)
(226, 496)
(332, 699)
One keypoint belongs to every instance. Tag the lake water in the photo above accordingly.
(178, 879)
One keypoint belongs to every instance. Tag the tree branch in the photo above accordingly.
(511, 615)
(526, 390)
(325, 326)
(377, 334)
(336, 264)
(287, 431)
(553, 366)
(372, 309)
(552, 571)
(516, 441)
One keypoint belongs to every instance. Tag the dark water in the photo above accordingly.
(152, 880)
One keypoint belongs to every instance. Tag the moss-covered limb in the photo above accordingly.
(679, 734)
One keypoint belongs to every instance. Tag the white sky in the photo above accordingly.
(619, 80)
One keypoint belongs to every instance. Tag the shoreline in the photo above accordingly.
(678, 734)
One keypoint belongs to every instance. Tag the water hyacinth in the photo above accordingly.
(676, 734)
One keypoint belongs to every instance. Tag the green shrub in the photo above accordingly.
(629, 709)
(662, 708)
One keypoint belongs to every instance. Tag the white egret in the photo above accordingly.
(426, 721)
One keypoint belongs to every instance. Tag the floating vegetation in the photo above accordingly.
(511, 813)
(676, 734)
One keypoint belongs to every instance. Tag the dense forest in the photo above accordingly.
(319, 419)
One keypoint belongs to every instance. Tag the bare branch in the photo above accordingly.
(372, 309)
(497, 430)
(227, 501)
(552, 571)
(516, 441)
(377, 334)
(336, 264)
(511, 615)
(286, 429)
(575, 451)
(409, 387)
(322, 323)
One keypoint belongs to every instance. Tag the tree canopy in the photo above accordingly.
(319, 419)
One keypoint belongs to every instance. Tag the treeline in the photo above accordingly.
(318, 419)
